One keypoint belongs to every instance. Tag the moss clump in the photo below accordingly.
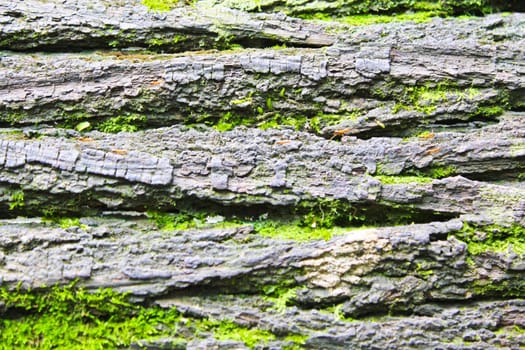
(227, 330)
(230, 120)
(425, 99)
(184, 220)
(369, 19)
(65, 222)
(72, 318)
(510, 288)
(393, 180)
(433, 172)
(295, 230)
(488, 111)
(160, 5)
(440, 172)
(68, 317)
(493, 238)
(122, 123)
(307, 220)
(16, 200)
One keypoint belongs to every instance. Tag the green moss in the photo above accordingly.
(122, 123)
(296, 339)
(71, 120)
(403, 179)
(425, 99)
(280, 296)
(517, 330)
(298, 122)
(493, 238)
(13, 117)
(434, 172)
(166, 42)
(307, 220)
(230, 120)
(171, 221)
(227, 330)
(423, 271)
(160, 5)
(510, 288)
(16, 200)
(64, 222)
(488, 111)
(440, 172)
(295, 230)
(68, 317)
(361, 20)
(72, 318)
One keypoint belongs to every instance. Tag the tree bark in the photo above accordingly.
(416, 130)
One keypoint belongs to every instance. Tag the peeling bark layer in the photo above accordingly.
(247, 167)
(101, 24)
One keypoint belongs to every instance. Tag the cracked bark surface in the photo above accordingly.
(462, 82)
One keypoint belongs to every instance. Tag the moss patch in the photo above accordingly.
(436, 171)
(122, 123)
(160, 5)
(393, 180)
(427, 98)
(368, 19)
(493, 238)
(305, 221)
(72, 318)
(295, 230)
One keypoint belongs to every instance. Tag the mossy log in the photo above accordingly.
(408, 137)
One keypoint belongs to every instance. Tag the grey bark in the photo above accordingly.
(246, 167)
(388, 80)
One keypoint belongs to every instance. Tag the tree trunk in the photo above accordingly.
(402, 144)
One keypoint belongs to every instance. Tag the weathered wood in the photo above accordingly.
(277, 167)
(420, 120)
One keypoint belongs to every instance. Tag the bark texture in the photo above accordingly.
(416, 129)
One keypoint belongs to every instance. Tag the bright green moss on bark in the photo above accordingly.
(160, 5)
(73, 318)
(393, 180)
(493, 238)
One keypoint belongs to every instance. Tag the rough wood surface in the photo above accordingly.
(366, 76)
(247, 167)
(423, 123)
